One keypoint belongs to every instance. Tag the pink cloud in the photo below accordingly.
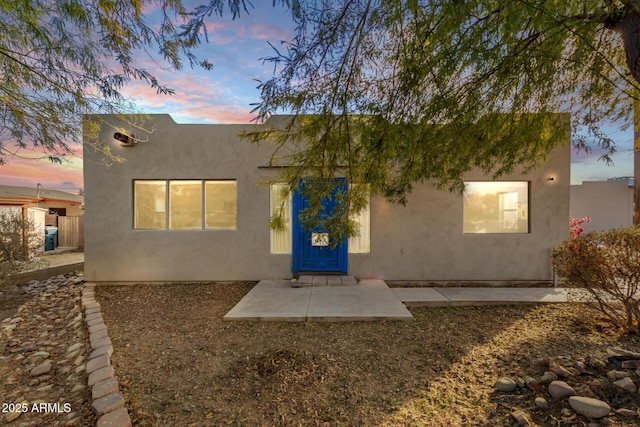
(29, 171)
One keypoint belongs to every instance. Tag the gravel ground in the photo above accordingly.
(179, 363)
(43, 349)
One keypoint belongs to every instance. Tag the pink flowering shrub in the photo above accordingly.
(574, 226)
(607, 266)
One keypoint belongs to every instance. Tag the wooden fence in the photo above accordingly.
(71, 231)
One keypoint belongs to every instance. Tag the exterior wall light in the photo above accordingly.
(551, 178)
(125, 140)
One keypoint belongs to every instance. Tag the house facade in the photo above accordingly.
(193, 203)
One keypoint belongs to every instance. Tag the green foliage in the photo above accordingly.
(606, 265)
(391, 93)
(19, 244)
(65, 58)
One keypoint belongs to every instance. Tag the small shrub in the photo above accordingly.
(606, 265)
(20, 242)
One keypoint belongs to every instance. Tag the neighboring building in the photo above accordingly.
(27, 212)
(609, 204)
(190, 204)
(56, 202)
(45, 207)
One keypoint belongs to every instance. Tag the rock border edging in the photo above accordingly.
(108, 403)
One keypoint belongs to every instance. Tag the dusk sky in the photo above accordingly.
(224, 95)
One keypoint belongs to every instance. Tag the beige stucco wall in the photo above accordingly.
(609, 204)
(422, 241)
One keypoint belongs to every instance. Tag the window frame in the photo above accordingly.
(167, 204)
(465, 230)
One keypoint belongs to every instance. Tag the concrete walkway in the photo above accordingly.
(371, 299)
(278, 300)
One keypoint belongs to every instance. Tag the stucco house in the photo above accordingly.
(55, 201)
(191, 204)
(40, 204)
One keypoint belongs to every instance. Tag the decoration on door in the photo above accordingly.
(319, 239)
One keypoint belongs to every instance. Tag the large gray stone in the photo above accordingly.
(591, 408)
(541, 403)
(548, 376)
(107, 403)
(117, 418)
(43, 368)
(103, 388)
(561, 371)
(100, 375)
(560, 390)
(505, 384)
(626, 384)
(98, 362)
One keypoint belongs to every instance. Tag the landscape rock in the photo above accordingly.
(521, 417)
(43, 368)
(616, 375)
(541, 403)
(36, 352)
(531, 383)
(505, 384)
(561, 371)
(626, 384)
(580, 366)
(624, 412)
(548, 377)
(589, 407)
(561, 390)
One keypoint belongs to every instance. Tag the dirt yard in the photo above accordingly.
(179, 363)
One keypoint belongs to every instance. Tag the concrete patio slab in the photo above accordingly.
(272, 300)
(277, 300)
(372, 300)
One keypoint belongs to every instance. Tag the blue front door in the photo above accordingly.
(312, 249)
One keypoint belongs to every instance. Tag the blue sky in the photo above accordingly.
(225, 95)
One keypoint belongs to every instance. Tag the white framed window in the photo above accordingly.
(361, 244)
(184, 204)
(496, 207)
(149, 205)
(280, 200)
(220, 200)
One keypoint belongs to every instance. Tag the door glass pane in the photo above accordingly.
(185, 204)
(149, 201)
(361, 244)
(496, 207)
(220, 205)
(281, 205)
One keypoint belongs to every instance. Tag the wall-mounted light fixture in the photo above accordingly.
(125, 140)
(551, 178)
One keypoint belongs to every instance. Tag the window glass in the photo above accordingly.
(361, 244)
(281, 204)
(220, 205)
(185, 204)
(496, 207)
(150, 198)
